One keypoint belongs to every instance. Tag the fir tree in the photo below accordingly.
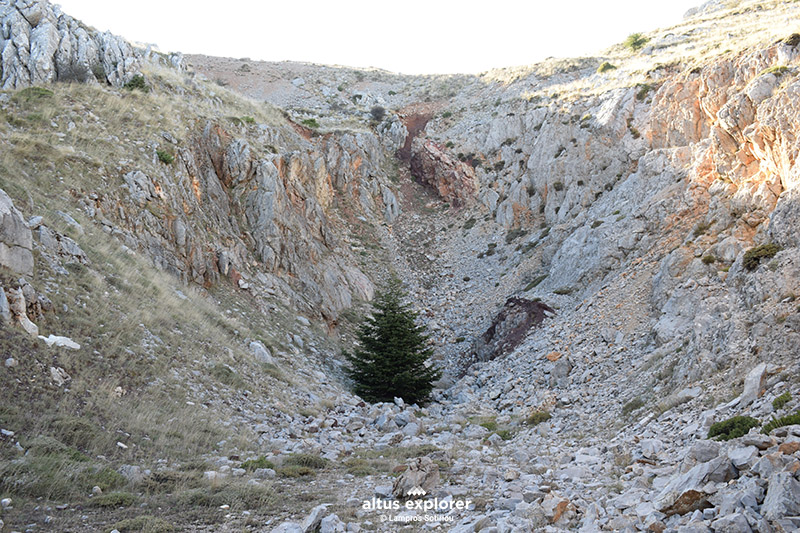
(390, 360)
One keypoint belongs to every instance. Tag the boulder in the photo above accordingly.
(687, 492)
(58, 341)
(704, 450)
(59, 376)
(16, 240)
(5, 310)
(753, 384)
(332, 524)
(783, 497)
(743, 458)
(312, 521)
(733, 523)
(261, 352)
(421, 473)
(61, 246)
(19, 310)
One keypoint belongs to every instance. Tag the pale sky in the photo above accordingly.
(408, 36)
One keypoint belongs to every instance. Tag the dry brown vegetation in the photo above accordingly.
(158, 360)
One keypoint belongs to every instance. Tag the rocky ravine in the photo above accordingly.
(625, 201)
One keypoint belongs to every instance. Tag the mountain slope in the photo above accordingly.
(209, 252)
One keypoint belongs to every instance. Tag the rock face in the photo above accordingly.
(453, 180)
(16, 240)
(39, 44)
(229, 206)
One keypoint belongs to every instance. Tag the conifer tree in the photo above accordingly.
(390, 360)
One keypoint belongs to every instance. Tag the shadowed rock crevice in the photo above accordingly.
(508, 329)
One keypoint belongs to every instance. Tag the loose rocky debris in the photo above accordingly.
(633, 208)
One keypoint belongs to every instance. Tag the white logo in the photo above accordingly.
(417, 492)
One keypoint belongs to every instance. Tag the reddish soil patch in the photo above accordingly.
(415, 117)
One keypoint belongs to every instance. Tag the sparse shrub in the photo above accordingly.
(145, 524)
(534, 282)
(137, 83)
(392, 93)
(605, 66)
(709, 259)
(597, 224)
(631, 406)
(237, 495)
(515, 234)
(509, 141)
(359, 467)
(248, 120)
(294, 471)
(563, 291)
(753, 256)
(732, 428)
(559, 186)
(777, 70)
(377, 112)
(165, 157)
(310, 123)
(499, 165)
(635, 41)
(255, 464)
(701, 228)
(449, 144)
(781, 400)
(227, 375)
(504, 434)
(447, 114)
(33, 94)
(99, 72)
(74, 431)
(776, 423)
(470, 223)
(537, 417)
(460, 339)
(643, 89)
(490, 424)
(306, 459)
(114, 499)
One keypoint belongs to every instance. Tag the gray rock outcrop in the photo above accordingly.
(16, 240)
(39, 44)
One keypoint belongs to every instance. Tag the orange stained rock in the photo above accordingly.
(553, 356)
(789, 448)
(196, 188)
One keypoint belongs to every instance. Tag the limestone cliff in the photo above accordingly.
(40, 44)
